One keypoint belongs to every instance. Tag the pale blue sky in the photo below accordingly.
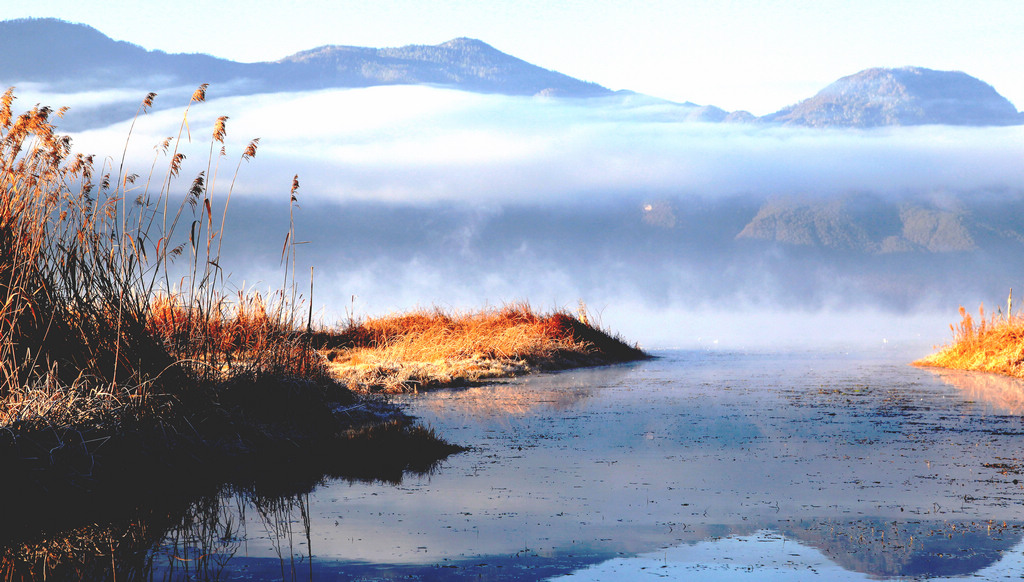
(735, 54)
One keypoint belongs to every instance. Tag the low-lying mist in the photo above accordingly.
(420, 196)
(419, 144)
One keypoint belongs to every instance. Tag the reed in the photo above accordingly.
(114, 309)
(990, 344)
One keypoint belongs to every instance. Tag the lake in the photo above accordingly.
(698, 464)
(710, 465)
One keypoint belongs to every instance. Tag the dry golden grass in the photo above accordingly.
(95, 334)
(410, 351)
(994, 344)
(242, 335)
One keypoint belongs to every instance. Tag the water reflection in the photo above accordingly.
(236, 532)
(201, 538)
(189, 527)
(710, 465)
(504, 399)
(697, 445)
(859, 553)
(1005, 395)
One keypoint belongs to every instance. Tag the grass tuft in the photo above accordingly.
(992, 344)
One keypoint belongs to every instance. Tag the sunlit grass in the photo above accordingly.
(428, 348)
(988, 344)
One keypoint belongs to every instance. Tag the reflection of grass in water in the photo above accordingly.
(994, 344)
(503, 400)
(195, 538)
(213, 530)
(1004, 394)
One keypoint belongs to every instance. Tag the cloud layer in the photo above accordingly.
(416, 144)
(421, 196)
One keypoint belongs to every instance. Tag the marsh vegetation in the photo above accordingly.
(988, 344)
(126, 354)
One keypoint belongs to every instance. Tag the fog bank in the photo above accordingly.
(420, 196)
(416, 144)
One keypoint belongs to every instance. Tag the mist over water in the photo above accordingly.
(419, 144)
(421, 196)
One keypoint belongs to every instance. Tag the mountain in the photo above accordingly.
(873, 225)
(906, 96)
(465, 63)
(60, 56)
(69, 56)
(812, 223)
(75, 56)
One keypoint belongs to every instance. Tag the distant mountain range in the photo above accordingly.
(62, 56)
(68, 56)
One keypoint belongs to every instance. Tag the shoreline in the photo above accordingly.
(228, 437)
(335, 421)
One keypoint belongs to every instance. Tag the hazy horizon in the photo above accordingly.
(419, 196)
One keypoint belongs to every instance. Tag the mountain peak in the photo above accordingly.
(902, 96)
(465, 63)
(466, 43)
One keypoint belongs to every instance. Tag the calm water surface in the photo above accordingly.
(697, 465)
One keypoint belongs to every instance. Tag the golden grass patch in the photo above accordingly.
(429, 348)
(993, 344)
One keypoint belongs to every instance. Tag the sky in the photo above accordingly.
(752, 55)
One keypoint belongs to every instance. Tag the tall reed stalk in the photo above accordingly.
(88, 302)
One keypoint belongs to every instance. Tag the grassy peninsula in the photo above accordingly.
(990, 344)
(423, 349)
